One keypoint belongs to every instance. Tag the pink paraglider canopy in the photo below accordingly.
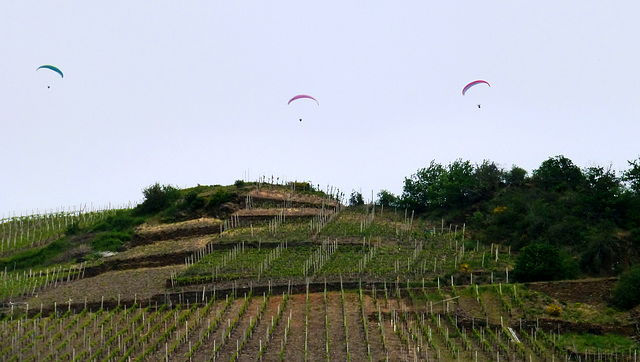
(475, 82)
(302, 96)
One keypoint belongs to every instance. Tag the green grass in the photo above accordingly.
(593, 343)
(34, 257)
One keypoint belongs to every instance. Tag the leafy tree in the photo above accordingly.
(516, 177)
(541, 262)
(632, 175)
(356, 199)
(626, 294)
(459, 184)
(424, 191)
(488, 179)
(219, 197)
(602, 193)
(157, 198)
(437, 187)
(603, 250)
(386, 198)
(558, 174)
(192, 201)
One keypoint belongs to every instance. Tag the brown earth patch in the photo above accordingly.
(113, 286)
(303, 211)
(282, 195)
(146, 233)
(591, 291)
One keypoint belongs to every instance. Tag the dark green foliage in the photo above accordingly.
(423, 191)
(72, 229)
(115, 230)
(603, 251)
(157, 198)
(110, 241)
(239, 183)
(632, 175)
(602, 192)
(626, 294)
(516, 177)
(356, 199)
(578, 211)
(558, 174)
(192, 201)
(123, 220)
(488, 178)
(34, 257)
(219, 197)
(386, 198)
(439, 190)
(542, 262)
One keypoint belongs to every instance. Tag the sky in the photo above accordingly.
(196, 92)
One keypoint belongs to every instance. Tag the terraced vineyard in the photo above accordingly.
(334, 284)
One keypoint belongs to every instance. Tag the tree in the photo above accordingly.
(632, 175)
(558, 174)
(356, 199)
(423, 191)
(386, 198)
(602, 193)
(459, 184)
(541, 262)
(516, 177)
(157, 198)
(488, 179)
(438, 187)
(603, 250)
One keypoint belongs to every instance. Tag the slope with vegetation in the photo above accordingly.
(287, 272)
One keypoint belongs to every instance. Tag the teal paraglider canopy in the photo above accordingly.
(51, 67)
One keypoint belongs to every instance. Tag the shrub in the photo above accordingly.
(219, 197)
(554, 310)
(192, 201)
(626, 294)
(72, 229)
(543, 262)
(157, 198)
(121, 221)
(386, 198)
(110, 241)
(356, 199)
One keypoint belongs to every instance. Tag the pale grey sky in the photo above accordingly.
(195, 92)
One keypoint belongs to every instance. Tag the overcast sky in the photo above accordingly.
(195, 92)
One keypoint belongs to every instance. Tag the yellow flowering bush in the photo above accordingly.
(554, 310)
(499, 209)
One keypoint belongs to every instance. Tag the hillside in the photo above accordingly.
(290, 274)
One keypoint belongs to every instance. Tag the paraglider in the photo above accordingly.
(473, 84)
(53, 68)
(300, 96)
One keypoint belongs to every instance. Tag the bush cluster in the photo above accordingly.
(554, 310)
